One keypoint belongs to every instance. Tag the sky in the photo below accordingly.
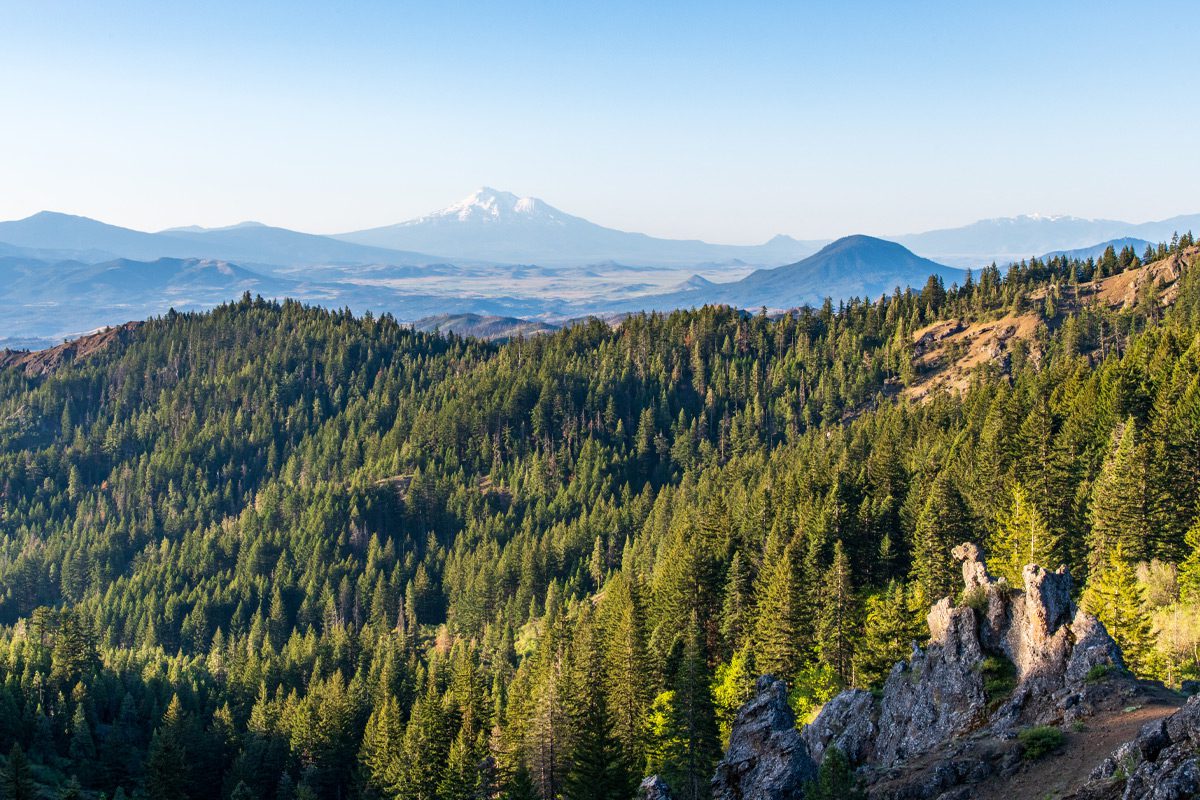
(729, 122)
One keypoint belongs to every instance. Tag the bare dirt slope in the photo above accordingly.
(947, 352)
(41, 362)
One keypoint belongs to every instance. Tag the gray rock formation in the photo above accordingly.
(1002, 660)
(766, 758)
(1160, 764)
(848, 722)
(654, 788)
(942, 691)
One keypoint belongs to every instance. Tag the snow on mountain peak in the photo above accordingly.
(492, 205)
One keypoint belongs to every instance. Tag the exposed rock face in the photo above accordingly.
(766, 758)
(1160, 764)
(940, 693)
(654, 788)
(934, 704)
(848, 722)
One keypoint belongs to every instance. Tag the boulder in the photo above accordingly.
(654, 788)
(766, 758)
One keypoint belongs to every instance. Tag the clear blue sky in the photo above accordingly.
(728, 122)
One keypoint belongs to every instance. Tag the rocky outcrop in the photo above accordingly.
(654, 788)
(766, 758)
(848, 722)
(1159, 764)
(957, 685)
(1000, 660)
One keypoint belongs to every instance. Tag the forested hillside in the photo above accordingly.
(278, 552)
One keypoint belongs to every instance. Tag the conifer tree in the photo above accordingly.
(425, 747)
(597, 770)
(459, 780)
(627, 673)
(778, 637)
(943, 523)
(1119, 601)
(16, 780)
(692, 724)
(1121, 503)
(167, 765)
(889, 631)
(1189, 569)
(838, 617)
(1022, 537)
(381, 747)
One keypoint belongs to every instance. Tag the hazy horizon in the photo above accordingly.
(728, 125)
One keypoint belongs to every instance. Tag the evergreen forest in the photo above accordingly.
(276, 552)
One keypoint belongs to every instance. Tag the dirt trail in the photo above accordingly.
(1060, 774)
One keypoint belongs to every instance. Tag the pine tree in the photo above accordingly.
(520, 785)
(838, 617)
(425, 747)
(736, 608)
(627, 670)
(732, 688)
(82, 748)
(1116, 598)
(167, 764)
(1189, 569)
(1022, 537)
(548, 727)
(597, 770)
(835, 779)
(17, 778)
(889, 632)
(1044, 476)
(1121, 502)
(944, 522)
(382, 745)
(778, 638)
(460, 779)
(692, 725)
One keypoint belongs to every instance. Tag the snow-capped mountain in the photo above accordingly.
(489, 205)
(500, 226)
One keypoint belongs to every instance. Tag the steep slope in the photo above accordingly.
(497, 225)
(854, 266)
(947, 352)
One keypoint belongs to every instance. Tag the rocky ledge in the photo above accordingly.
(1001, 660)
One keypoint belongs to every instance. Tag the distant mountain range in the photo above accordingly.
(500, 226)
(1010, 239)
(483, 326)
(493, 265)
(83, 239)
(854, 266)
(1095, 251)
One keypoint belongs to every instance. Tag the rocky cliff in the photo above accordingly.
(1000, 660)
